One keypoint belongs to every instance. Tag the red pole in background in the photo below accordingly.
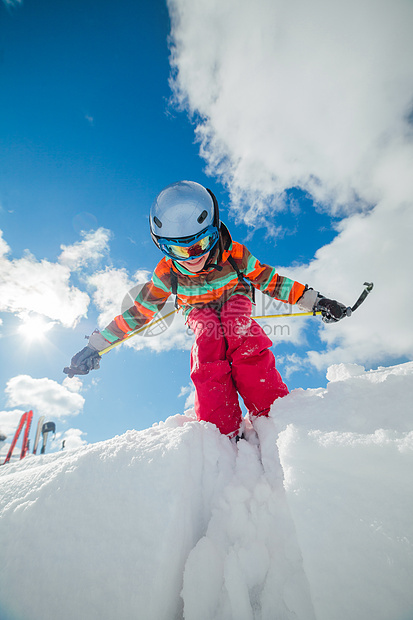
(26, 419)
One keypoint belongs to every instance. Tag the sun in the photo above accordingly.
(35, 328)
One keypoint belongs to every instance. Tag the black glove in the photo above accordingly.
(332, 311)
(83, 362)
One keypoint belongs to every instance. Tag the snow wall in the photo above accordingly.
(176, 522)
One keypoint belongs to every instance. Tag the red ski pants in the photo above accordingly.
(231, 355)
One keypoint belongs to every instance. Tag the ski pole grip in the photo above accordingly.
(367, 290)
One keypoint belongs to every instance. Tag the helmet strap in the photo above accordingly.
(216, 208)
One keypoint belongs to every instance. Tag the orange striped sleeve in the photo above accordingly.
(272, 284)
(122, 324)
(257, 271)
(297, 290)
(155, 291)
(237, 250)
(143, 310)
(163, 268)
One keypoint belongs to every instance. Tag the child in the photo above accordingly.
(211, 277)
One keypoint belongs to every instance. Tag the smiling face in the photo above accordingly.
(194, 264)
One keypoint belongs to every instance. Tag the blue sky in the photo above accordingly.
(90, 132)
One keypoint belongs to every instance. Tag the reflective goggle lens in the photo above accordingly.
(181, 252)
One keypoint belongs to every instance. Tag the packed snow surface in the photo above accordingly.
(177, 522)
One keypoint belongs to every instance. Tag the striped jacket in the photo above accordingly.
(212, 286)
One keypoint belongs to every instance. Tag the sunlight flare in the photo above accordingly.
(35, 327)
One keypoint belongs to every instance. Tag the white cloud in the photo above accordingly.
(291, 363)
(4, 247)
(189, 392)
(87, 252)
(45, 396)
(309, 94)
(319, 96)
(29, 285)
(32, 288)
(9, 421)
(73, 385)
(111, 286)
(73, 439)
(376, 247)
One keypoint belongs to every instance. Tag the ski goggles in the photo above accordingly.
(188, 248)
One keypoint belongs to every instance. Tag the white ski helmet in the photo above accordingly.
(184, 220)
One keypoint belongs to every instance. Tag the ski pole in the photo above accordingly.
(367, 290)
(349, 311)
(154, 322)
(286, 314)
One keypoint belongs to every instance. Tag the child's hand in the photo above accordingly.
(88, 358)
(332, 311)
(83, 362)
